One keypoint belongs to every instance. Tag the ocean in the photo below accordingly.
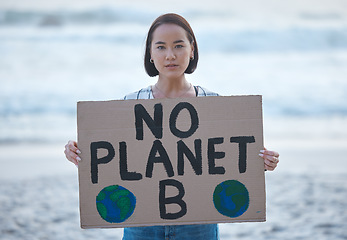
(293, 53)
(53, 56)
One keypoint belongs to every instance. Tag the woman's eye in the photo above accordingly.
(160, 47)
(179, 46)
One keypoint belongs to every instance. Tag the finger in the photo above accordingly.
(272, 159)
(275, 160)
(275, 154)
(70, 157)
(72, 145)
(270, 153)
(68, 152)
(73, 157)
(71, 152)
(270, 163)
(269, 168)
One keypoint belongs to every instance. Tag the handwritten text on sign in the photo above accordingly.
(155, 162)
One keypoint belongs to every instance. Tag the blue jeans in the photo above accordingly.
(179, 232)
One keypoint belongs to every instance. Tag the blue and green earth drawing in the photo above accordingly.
(115, 203)
(231, 198)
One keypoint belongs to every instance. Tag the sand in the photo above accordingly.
(305, 200)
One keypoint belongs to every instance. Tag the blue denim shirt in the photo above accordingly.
(177, 232)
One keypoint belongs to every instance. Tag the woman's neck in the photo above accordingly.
(173, 88)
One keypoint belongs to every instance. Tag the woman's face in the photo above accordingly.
(171, 50)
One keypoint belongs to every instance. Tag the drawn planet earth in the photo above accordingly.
(231, 198)
(115, 203)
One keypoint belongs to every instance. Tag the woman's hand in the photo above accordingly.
(71, 152)
(270, 159)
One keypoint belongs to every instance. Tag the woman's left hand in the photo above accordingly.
(270, 159)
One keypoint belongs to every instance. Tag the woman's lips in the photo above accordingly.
(171, 65)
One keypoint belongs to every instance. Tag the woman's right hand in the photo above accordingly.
(71, 152)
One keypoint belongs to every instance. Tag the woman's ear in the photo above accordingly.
(192, 54)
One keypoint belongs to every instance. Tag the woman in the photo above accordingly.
(171, 52)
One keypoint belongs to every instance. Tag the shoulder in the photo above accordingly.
(144, 93)
(203, 92)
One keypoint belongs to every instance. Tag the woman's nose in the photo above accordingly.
(170, 55)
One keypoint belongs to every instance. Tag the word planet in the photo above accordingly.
(115, 203)
(231, 198)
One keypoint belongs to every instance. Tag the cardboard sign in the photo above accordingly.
(171, 161)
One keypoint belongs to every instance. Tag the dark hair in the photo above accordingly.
(174, 19)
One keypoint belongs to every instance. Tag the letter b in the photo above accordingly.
(163, 200)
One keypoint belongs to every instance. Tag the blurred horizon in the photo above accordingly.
(56, 53)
